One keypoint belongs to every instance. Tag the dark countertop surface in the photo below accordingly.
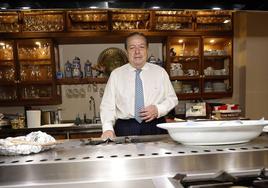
(83, 128)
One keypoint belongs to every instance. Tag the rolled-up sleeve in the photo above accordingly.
(108, 106)
(170, 97)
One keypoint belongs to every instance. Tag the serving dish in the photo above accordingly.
(214, 132)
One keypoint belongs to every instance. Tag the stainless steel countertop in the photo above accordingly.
(148, 164)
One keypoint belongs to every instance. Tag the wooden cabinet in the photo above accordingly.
(200, 67)
(7, 71)
(43, 21)
(184, 65)
(173, 20)
(87, 20)
(9, 22)
(27, 72)
(130, 20)
(217, 67)
(68, 21)
(214, 21)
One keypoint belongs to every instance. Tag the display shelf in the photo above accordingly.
(31, 74)
(9, 22)
(71, 81)
(130, 20)
(87, 20)
(43, 21)
(174, 20)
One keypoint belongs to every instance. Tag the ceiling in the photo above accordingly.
(136, 4)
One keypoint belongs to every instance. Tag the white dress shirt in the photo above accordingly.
(118, 99)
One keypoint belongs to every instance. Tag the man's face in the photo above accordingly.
(137, 51)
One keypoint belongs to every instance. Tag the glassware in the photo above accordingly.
(1, 74)
(23, 74)
(10, 74)
(49, 72)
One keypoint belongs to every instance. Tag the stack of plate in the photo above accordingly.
(208, 87)
(187, 88)
(219, 87)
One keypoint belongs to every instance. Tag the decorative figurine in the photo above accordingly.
(88, 69)
(68, 69)
(76, 68)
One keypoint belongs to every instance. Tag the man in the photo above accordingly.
(137, 95)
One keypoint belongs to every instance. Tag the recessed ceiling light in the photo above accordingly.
(180, 41)
(155, 7)
(212, 41)
(38, 43)
(216, 8)
(3, 8)
(25, 8)
(227, 21)
(93, 7)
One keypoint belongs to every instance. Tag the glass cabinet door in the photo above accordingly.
(183, 65)
(7, 71)
(26, 72)
(35, 60)
(217, 65)
(214, 21)
(7, 65)
(35, 69)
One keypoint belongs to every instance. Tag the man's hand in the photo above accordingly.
(108, 134)
(149, 113)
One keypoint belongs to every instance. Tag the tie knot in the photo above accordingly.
(138, 71)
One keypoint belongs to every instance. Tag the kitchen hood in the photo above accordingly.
(261, 5)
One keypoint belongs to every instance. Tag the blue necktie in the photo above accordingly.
(139, 100)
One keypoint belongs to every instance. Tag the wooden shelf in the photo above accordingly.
(33, 60)
(215, 95)
(9, 83)
(184, 78)
(217, 77)
(217, 56)
(71, 81)
(36, 82)
(185, 57)
(6, 60)
(187, 96)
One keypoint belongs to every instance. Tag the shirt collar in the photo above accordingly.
(145, 67)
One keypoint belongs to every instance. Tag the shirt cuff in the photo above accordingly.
(161, 110)
(107, 127)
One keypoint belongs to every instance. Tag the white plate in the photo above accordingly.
(57, 125)
(214, 132)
